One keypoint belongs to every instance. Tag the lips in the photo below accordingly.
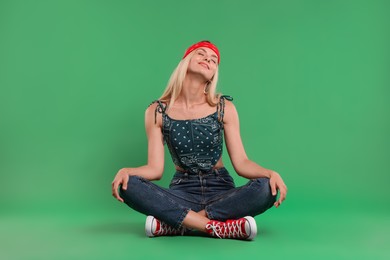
(204, 65)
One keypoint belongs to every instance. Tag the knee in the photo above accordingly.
(134, 180)
(262, 185)
(132, 186)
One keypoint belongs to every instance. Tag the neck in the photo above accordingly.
(192, 92)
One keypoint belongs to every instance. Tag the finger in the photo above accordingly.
(282, 197)
(124, 183)
(273, 188)
(115, 191)
(118, 197)
(283, 193)
(113, 184)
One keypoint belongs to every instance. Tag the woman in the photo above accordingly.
(192, 120)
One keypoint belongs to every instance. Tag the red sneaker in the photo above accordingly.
(155, 227)
(243, 228)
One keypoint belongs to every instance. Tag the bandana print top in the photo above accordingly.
(195, 144)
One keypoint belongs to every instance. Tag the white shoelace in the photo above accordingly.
(165, 229)
(230, 229)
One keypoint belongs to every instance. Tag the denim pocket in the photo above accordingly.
(175, 181)
(226, 178)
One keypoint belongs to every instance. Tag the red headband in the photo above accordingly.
(206, 44)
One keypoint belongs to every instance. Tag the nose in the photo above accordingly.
(207, 58)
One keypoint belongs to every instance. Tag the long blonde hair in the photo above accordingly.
(175, 84)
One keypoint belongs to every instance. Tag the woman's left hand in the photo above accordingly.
(276, 184)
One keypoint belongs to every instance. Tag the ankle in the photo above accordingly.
(155, 227)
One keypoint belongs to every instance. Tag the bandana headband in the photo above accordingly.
(205, 44)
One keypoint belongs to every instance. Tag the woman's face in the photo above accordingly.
(204, 62)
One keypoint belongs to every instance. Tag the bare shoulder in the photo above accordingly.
(230, 112)
(153, 114)
(229, 105)
(151, 108)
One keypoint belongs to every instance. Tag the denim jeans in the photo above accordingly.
(213, 192)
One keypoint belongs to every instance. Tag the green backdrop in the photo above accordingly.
(310, 80)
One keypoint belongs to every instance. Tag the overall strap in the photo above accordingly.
(160, 108)
(221, 106)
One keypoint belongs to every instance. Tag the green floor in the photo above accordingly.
(310, 80)
(117, 233)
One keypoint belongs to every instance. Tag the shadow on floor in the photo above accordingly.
(126, 228)
(138, 229)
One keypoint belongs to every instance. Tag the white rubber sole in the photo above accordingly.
(253, 227)
(148, 226)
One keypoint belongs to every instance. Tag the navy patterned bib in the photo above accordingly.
(195, 144)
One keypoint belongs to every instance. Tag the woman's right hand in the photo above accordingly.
(121, 178)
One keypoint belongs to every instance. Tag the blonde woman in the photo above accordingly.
(192, 120)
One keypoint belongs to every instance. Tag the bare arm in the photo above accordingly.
(242, 165)
(153, 170)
